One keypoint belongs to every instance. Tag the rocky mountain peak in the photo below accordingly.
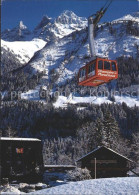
(21, 26)
(19, 33)
(45, 20)
(69, 17)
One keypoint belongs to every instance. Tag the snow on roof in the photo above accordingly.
(107, 149)
(19, 139)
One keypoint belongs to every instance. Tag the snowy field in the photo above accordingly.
(109, 186)
(62, 101)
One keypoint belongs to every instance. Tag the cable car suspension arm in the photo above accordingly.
(92, 22)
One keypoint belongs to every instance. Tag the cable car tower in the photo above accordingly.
(99, 70)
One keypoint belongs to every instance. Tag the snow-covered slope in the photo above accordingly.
(107, 186)
(23, 50)
(62, 55)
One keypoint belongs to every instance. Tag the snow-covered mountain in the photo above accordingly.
(51, 29)
(48, 29)
(23, 50)
(70, 48)
(24, 43)
(67, 47)
(130, 17)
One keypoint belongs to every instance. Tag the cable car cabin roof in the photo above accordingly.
(100, 148)
(98, 58)
(98, 71)
(19, 139)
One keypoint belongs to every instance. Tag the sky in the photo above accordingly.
(32, 11)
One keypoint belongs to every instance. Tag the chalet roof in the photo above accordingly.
(18, 139)
(99, 148)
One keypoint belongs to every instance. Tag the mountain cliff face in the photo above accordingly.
(62, 44)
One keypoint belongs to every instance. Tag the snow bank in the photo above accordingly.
(107, 186)
(9, 190)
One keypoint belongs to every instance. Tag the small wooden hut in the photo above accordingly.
(104, 162)
(20, 157)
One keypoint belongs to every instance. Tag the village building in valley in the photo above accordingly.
(21, 158)
(104, 162)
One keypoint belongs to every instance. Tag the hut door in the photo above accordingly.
(19, 161)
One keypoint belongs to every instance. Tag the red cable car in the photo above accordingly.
(100, 70)
(97, 72)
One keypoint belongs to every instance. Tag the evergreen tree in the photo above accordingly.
(96, 137)
(135, 149)
(9, 132)
(110, 131)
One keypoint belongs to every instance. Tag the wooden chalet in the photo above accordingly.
(20, 158)
(104, 162)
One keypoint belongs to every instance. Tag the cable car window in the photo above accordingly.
(100, 65)
(107, 65)
(82, 73)
(91, 68)
(113, 66)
